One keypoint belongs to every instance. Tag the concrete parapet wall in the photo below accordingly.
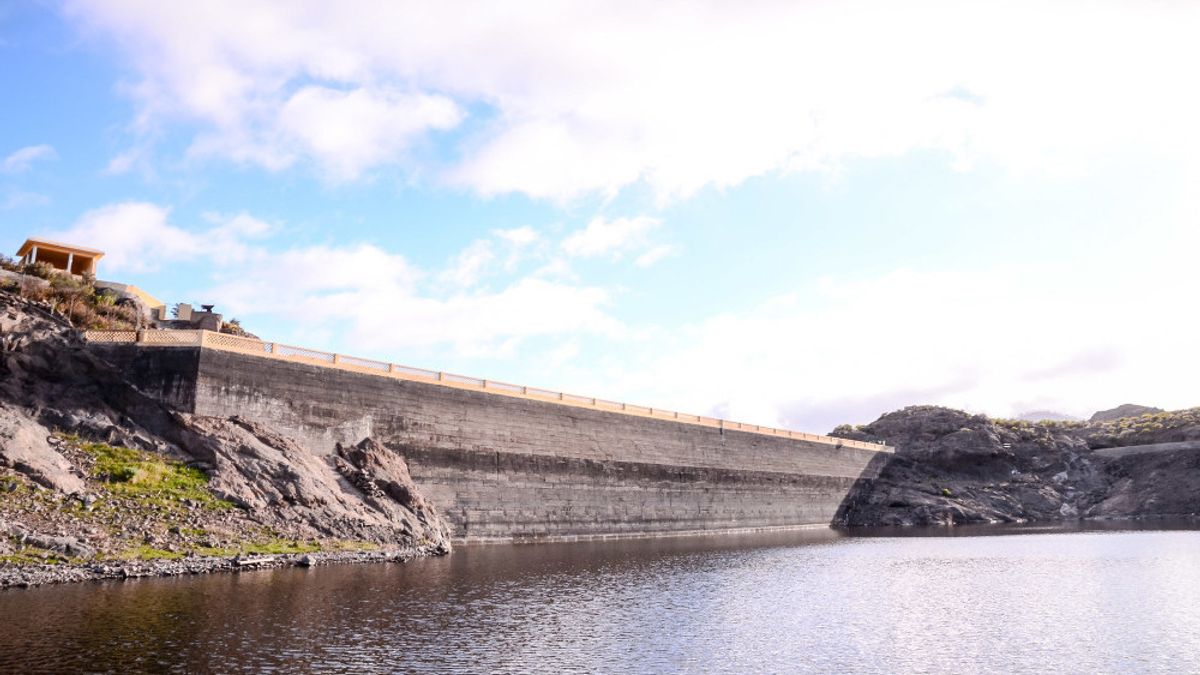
(206, 339)
(509, 468)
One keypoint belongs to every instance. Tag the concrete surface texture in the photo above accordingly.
(501, 468)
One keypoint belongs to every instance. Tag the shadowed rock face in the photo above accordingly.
(951, 467)
(49, 384)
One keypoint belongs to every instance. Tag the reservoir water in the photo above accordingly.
(1025, 601)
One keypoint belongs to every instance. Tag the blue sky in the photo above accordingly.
(779, 213)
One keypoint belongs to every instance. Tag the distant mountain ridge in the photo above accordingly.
(1043, 415)
(1124, 410)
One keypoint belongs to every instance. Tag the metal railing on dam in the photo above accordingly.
(275, 350)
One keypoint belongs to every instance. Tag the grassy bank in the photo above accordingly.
(138, 506)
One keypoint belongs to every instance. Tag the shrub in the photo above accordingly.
(41, 270)
(233, 327)
(76, 299)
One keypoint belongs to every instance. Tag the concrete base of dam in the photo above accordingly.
(501, 468)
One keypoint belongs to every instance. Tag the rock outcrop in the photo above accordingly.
(952, 467)
(1123, 410)
(91, 469)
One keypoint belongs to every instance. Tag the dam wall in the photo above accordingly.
(514, 468)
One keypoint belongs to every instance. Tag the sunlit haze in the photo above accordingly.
(795, 214)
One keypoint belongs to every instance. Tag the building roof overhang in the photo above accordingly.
(51, 245)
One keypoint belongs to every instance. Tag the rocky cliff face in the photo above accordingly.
(91, 470)
(951, 467)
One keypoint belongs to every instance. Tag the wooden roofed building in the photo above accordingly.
(77, 260)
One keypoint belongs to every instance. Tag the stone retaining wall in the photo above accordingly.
(506, 468)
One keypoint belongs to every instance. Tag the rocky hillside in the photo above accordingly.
(952, 467)
(97, 479)
(1122, 411)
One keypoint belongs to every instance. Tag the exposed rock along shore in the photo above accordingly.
(951, 467)
(21, 576)
(100, 481)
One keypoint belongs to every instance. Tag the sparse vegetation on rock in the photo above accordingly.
(98, 480)
(952, 467)
(77, 300)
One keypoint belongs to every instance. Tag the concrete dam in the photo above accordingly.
(503, 462)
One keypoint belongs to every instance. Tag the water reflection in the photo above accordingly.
(817, 601)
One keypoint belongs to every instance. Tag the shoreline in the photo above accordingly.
(34, 575)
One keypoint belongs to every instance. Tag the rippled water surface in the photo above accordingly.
(1083, 602)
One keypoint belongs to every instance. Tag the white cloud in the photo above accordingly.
(138, 237)
(139, 157)
(135, 236)
(376, 302)
(518, 236)
(844, 349)
(654, 255)
(850, 350)
(563, 354)
(345, 132)
(121, 163)
(230, 237)
(20, 160)
(372, 299)
(468, 266)
(609, 237)
(17, 199)
(588, 98)
(239, 225)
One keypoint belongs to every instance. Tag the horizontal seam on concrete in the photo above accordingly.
(641, 534)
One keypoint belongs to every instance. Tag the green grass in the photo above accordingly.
(149, 478)
(268, 547)
(149, 553)
(285, 547)
(10, 485)
(128, 480)
(32, 555)
(24, 558)
(353, 546)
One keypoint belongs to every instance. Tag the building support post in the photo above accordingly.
(33, 255)
(70, 263)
